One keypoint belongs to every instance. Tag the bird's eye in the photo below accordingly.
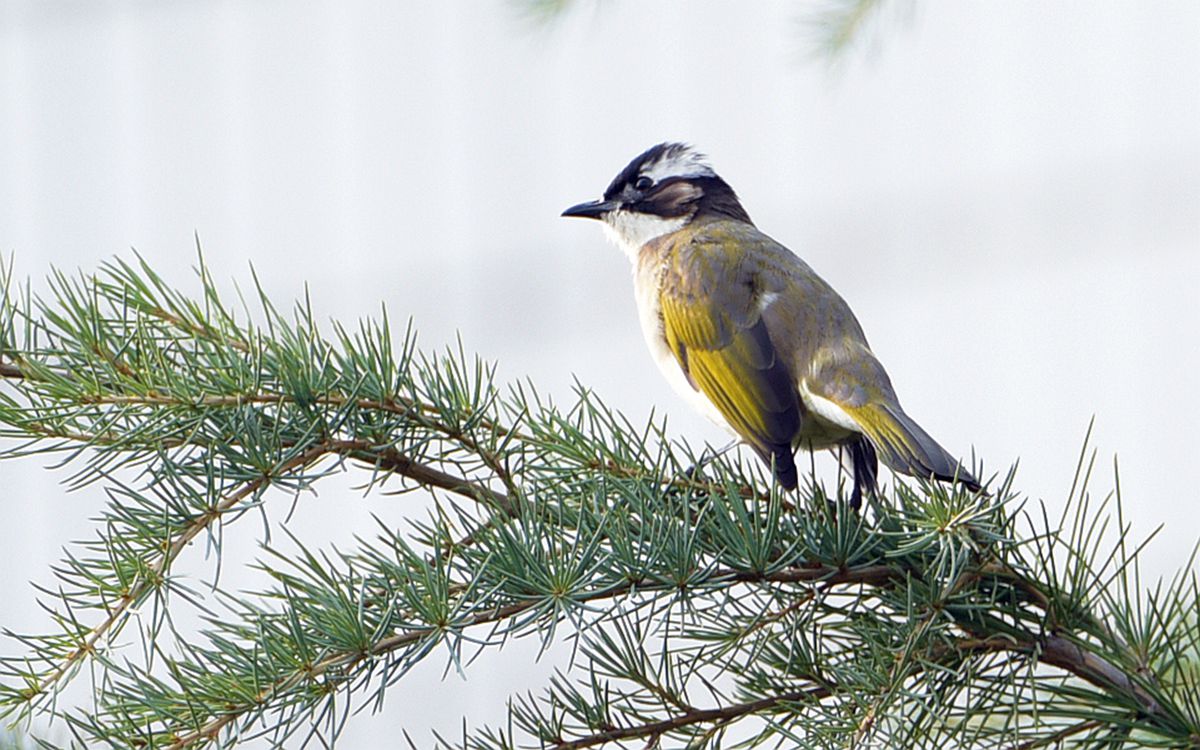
(643, 183)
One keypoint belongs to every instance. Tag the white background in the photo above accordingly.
(1007, 193)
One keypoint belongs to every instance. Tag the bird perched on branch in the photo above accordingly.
(749, 334)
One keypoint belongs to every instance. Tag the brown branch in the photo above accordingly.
(722, 715)
(1065, 653)
(395, 461)
(121, 367)
(200, 332)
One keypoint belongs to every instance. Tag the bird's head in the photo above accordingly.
(660, 191)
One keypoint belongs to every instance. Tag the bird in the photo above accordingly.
(749, 334)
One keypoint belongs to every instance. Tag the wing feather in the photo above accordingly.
(713, 325)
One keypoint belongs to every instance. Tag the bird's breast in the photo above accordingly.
(647, 274)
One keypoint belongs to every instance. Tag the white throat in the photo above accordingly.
(631, 229)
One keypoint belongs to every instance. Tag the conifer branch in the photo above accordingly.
(935, 619)
(157, 569)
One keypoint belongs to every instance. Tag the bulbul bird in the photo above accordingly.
(751, 335)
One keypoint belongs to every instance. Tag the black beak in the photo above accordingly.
(591, 209)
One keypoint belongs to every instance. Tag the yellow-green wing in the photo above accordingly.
(711, 311)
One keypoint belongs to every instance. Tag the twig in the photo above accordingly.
(1060, 735)
(722, 715)
(393, 460)
(1064, 653)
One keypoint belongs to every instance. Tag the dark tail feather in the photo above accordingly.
(908, 449)
(782, 458)
(865, 465)
(785, 469)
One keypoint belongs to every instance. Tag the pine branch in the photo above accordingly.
(935, 619)
(157, 569)
(825, 576)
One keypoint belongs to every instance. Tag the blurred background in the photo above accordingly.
(1007, 193)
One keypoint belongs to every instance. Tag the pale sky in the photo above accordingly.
(1007, 194)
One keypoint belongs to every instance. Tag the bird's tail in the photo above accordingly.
(904, 447)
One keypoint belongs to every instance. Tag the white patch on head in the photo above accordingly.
(631, 229)
(678, 161)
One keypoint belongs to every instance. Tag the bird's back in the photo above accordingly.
(737, 265)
